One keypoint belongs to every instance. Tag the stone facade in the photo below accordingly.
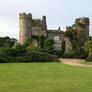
(34, 27)
(57, 36)
(30, 27)
(82, 27)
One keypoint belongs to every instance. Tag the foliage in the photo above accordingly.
(3, 58)
(90, 38)
(35, 56)
(72, 35)
(17, 50)
(62, 51)
(48, 45)
(25, 53)
(41, 41)
(88, 46)
(79, 53)
(76, 53)
(88, 49)
(63, 47)
(28, 42)
(89, 58)
(7, 42)
(35, 37)
(69, 33)
(33, 48)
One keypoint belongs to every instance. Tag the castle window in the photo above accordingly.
(35, 42)
(57, 47)
(56, 38)
(36, 33)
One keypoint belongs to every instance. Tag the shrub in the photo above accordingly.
(41, 41)
(89, 58)
(15, 51)
(76, 53)
(34, 56)
(88, 46)
(48, 45)
(79, 53)
(3, 58)
(33, 48)
(67, 56)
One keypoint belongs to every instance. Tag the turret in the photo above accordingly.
(25, 27)
(82, 25)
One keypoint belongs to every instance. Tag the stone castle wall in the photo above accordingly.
(30, 26)
(33, 27)
(25, 27)
(82, 26)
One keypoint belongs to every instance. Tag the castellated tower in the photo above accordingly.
(82, 26)
(25, 27)
(30, 27)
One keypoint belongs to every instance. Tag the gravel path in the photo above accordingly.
(75, 62)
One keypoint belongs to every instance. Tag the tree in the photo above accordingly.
(7, 42)
(88, 46)
(90, 37)
(41, 41)
(48, 45)
(15, 51)
(28, 42)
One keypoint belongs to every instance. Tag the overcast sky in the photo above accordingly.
(59, 13)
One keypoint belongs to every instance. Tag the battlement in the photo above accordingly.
(25, 16)
(40, 19)
(69, 27)
(84, 21)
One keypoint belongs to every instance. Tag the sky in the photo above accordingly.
(58, 12)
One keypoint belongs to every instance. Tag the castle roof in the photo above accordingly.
(55, 31)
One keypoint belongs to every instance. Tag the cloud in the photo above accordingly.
(59, 13)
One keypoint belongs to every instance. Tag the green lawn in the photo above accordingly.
(44, 77)
(88, 63)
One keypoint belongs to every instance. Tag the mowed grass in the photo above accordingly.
(88, 63)
(44, 77)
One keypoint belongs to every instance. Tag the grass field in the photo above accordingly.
(88, 63)
(44, 77)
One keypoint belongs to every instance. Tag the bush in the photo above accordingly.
(26, 53)
(3, 58)
(33, 48)
(35, 56)
(48, 46)
(76, 53)
(79, 53)
(15, 51)
(67, 56)
(30, 56)
(89, 58)
(41, 41)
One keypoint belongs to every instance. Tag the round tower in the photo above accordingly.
(82, 25)
(25, 27)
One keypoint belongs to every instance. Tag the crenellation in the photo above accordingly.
(34, 27)
(25, 16)
(84, 21)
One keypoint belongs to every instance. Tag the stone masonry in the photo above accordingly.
(34, 27)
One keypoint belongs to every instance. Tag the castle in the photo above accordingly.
(34, 27)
